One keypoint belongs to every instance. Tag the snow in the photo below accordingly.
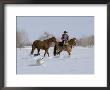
(81, 61)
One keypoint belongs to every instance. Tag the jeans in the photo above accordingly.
(63, 43)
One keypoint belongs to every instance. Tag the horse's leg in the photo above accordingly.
(48, 53)
(59, 52)
(54, 53)
(38, 51)
(69, 51)
(45, 53)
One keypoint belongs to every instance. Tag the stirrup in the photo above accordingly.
(62, 47)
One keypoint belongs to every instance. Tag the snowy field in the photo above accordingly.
(81, 61)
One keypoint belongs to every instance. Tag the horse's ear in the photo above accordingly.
(74, 38)
(54, 37)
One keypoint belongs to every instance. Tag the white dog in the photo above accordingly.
(40, 61)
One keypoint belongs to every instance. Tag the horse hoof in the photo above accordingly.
(39, 54)
(35, 54)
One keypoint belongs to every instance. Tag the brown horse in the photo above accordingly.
(45, 45)
(67, 47)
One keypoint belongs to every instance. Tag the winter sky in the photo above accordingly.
(35, 26)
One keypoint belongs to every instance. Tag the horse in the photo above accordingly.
(67, 47)
(45, 45)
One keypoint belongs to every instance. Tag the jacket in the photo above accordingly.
(65, 37)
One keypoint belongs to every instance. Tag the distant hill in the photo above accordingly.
(86, 41)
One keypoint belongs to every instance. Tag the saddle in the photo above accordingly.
(66, 43)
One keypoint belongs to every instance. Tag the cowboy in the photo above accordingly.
(64, 38)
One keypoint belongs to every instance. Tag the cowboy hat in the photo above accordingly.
(65, 32)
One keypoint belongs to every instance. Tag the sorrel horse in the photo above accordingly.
(67, 47)
(45, 45)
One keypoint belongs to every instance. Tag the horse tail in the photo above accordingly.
(33, 47)
(34, 43)
(54, 50)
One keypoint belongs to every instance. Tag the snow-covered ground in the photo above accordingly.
(81, 61)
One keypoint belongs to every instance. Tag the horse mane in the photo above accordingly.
(72, 41)
(47, 39)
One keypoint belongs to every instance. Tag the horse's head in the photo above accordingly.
(53, 39)
(73, 41)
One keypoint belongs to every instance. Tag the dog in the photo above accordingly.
(40, 61)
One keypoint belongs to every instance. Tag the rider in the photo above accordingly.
(64, 38)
